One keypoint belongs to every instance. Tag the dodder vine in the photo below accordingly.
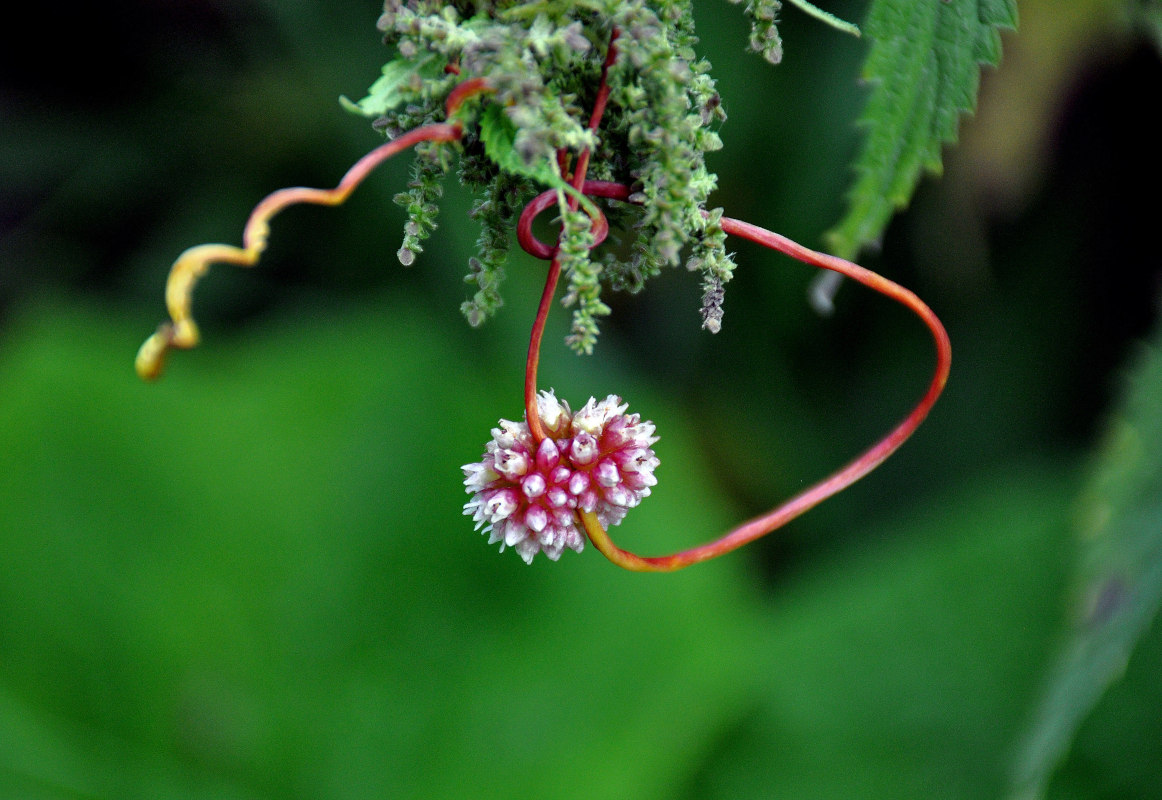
(502, 85)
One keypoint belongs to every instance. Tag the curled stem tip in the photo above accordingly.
(182, 332)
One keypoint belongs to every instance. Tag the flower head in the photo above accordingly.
(526, 496)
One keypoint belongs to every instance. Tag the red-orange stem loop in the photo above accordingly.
(817, 493)
(534, 246)
(536, 428)
(841, 478)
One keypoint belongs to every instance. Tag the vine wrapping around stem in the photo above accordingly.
(536, 428)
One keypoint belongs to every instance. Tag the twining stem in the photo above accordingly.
(812, 496)
(838, 480)
(536, 427)
(181, 331)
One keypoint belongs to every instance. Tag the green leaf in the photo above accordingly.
(923, 70)
(498, 135)
(1119, 589)
(401, 79)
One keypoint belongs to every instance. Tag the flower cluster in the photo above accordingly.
(543, 62)
(526, 496)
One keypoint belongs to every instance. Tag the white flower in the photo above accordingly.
(613, 459)
(519, 497)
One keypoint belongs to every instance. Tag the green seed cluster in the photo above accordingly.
(543, 60)
(764, 35)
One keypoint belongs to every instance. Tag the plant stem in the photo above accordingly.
(181, 331)
(536, 428)
(841, 478)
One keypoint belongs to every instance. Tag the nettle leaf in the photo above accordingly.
(1119, 588)
(924, 71)
(402, 79)
(498, 135)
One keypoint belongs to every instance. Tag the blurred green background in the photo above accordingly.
(253, 579)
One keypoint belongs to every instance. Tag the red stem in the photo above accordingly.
(536, 428)
(812, 496)
(181, 331)
(841, 478)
